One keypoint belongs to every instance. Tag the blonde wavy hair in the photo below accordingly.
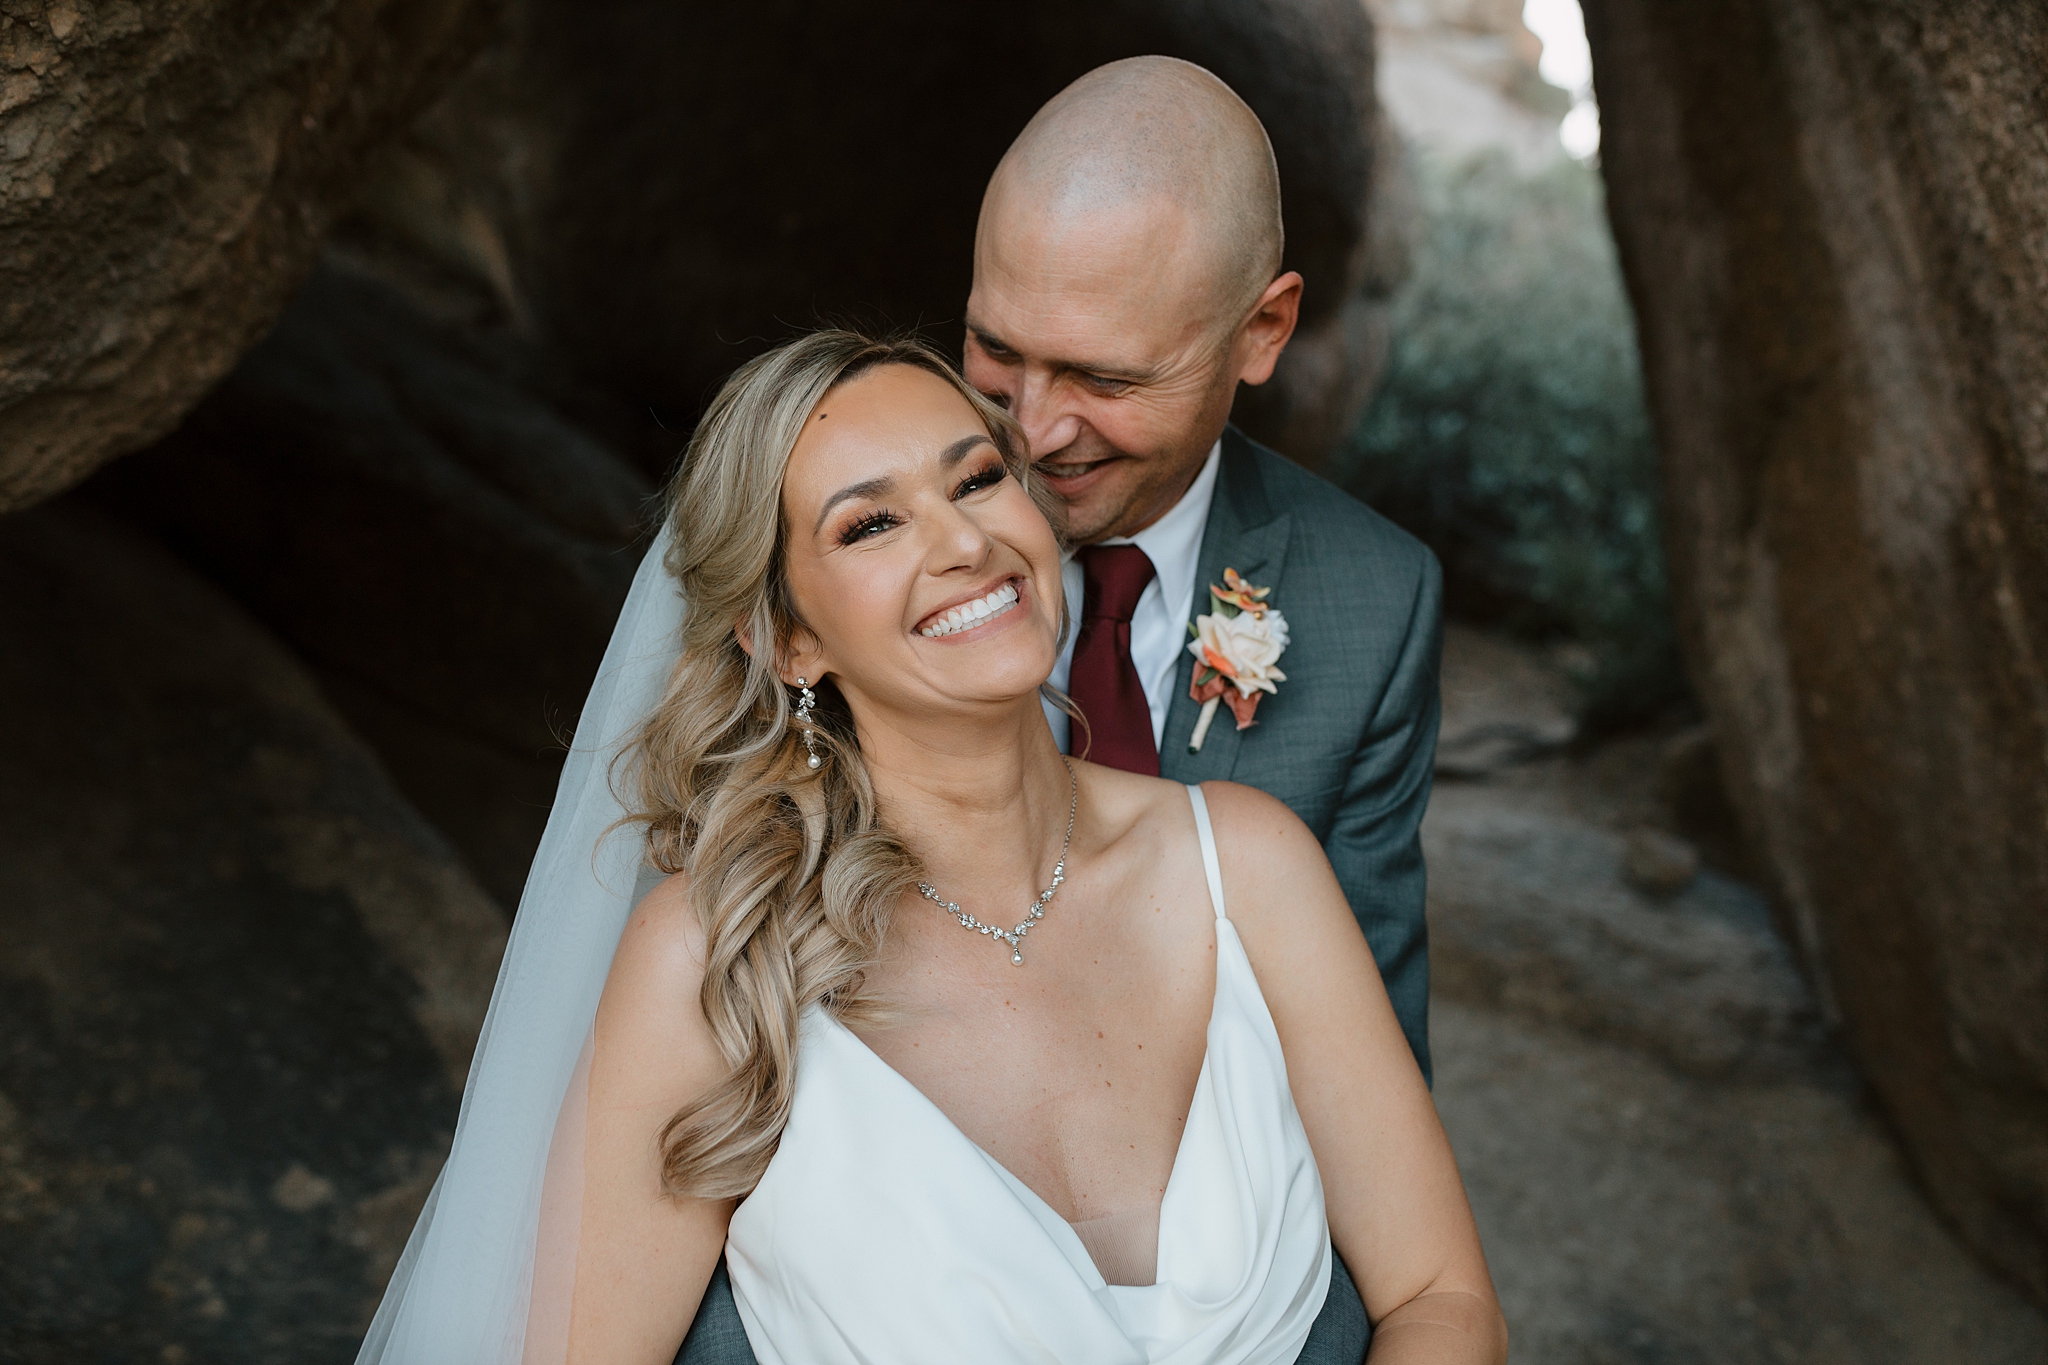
(791, 870)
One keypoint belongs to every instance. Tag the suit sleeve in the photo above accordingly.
(1375, 842)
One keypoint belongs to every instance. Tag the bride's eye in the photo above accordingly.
(871, 524)
(988, 477)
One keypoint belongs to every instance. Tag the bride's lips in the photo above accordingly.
(976, 614)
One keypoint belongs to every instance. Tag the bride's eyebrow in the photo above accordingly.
(958, 451)
(866, 488)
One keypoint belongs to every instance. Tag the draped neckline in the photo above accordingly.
(1038, 1202)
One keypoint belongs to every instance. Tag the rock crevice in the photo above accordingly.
(1834, 222)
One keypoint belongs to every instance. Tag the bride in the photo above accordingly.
(955, 1049)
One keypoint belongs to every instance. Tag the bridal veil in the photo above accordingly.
(464, 1291)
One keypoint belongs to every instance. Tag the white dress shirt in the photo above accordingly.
(1159, 623)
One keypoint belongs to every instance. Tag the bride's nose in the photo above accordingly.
(957, 541)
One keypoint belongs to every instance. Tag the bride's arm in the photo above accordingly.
(643, 1259)
(1397, 1208)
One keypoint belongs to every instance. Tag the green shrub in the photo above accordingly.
(1509, 431)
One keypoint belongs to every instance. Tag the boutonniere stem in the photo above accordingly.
(1236, 647)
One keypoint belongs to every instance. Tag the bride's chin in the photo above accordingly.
(1001, 681)
(1004, 686)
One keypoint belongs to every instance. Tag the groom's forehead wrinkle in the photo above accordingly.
(1121, 374)
(1101, 369)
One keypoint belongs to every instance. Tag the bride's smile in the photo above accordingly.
(965, 618)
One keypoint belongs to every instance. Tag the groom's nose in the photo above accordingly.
(1047, 415)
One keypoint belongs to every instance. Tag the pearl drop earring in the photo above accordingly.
(803, 716)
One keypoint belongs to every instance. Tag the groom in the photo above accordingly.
(1127, 278)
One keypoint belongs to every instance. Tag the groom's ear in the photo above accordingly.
(1268, 327)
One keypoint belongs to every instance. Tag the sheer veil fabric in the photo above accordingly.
(489, 1250)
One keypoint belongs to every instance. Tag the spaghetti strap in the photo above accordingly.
(1210, 867)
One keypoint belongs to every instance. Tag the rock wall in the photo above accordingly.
(1834, 221)
(660, 189)
(241, 982)
(442, 545)
(166, 174)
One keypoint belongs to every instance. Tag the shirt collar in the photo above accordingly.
(1174, 542)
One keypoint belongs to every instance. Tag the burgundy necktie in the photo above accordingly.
(1104, 682)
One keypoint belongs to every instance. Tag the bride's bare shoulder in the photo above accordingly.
(1275, 873)
(1245, 816)
(664, 936)
(651, 1012)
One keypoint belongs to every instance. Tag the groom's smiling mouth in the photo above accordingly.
(1059, 472)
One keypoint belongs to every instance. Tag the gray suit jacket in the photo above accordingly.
(1349, 740)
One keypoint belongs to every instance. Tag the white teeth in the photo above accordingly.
(970, 614)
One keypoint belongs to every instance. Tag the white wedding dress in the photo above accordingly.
(879, 1233)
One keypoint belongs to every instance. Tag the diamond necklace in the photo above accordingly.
(1015, 937)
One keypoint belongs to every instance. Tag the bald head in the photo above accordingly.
(1158, 147)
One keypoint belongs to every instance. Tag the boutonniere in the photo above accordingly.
(1235, 647)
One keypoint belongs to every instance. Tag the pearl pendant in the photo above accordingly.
(816, 761)
(1016, 957)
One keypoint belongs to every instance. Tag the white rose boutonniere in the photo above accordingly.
(1237, 646)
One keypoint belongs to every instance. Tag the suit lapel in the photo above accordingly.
(1243, 533)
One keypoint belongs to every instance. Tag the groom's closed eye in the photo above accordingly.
(996, 350)
(1109, 386)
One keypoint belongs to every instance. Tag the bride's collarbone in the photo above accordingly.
(1103, 944)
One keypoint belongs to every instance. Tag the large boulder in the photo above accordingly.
(1833, 218)
(166, 173)
(663, 190)
(1634, 1214)
(241, 980)
(1545, 897)
(397, 498)
(1668, 1157)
